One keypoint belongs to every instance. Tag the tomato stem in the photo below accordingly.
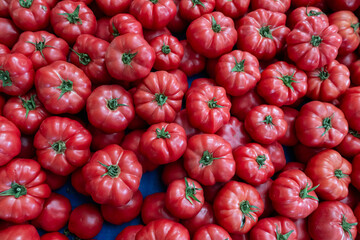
(213, 104)
(5, 78)
(15, 190)
(315, 40)
(304, 193)
(25, 4)
(73, 17)
(280, 236)
(165, 49)
(339, 174)
(288, 80)
(355, 26)
(354, 133)
(214, 26)
(326, 124)
(162, 133)
(29, 105)
(265, 32)
(127, 58)
(346, 226)
(312, 13)
(268, 120)
(160, 99)
(59, 147)
(261, 159)
(190, 192)
(84, 58)
(324, 74)
(154, 1)
(39, 46)
(115, 31)
(113, 171)
(197, 2)
(65, 86)
(113, 104)
(246, 210)
(207, 159)
(239, 66)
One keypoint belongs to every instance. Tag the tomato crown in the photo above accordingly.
(15, 190)
(197, 2)
(84, 58)
(304, 193)
(73, 17)
(25, 4)
(239, 66)
(39, 46)
(190, 192)
(207, 159)
(266, 32)
(59, 147)
(126, 58)
(213, 104)
(113, 104)
(5, 78)
(113, 171)
(326, 124)
(165, 49)
(29, 105)
(247, 209)
(162, 133)
(315, 40)
(280, 236)
(346, 226)
(214, 26)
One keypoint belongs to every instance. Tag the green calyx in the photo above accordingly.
(355, 26)
(25, 4)
(73, 17)
(165, 49)
(280, 236)
(115, 31)
(346, 226)
(161, 133)
(313, 13)
(266, 32)
(239, 66)
(15, 190)
(160, 99)
(213, 104)
(154, 1)
(5, 78)
(113, 171)
(326, 124)
(190, 192)
(315, 40)
(30, 104)
(324, 74)
(197, 2)
(304, 193)
(39, 46)
(354, 133)
(65, 86)
(84, 58)
(59, 147)
(207, 159)
(288, 80)
(268, 120)
(246, 210)
(261, 159)
(339, 174)
(127, 58)
(214, 26)
(113, 104)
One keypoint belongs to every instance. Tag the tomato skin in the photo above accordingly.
(352, 198)
(163, 229)
(124, 213)
(55, 214)
(173, 171)
(234, 133)
(241, 106)
(350, 5)
(177, 24)
(211, 231)
(192, 62)
(202, 218)
(111, 7)
(123, 23)
(355, 73)
(357, 215)
(301, 228)
(101, 139)
(153, 208)
(149, 35)
(238, 72)
(263, 190)
(27, 175)
(277, 155)
(349, 103)
(53, 236)
(294, 165)
(78, 182)
(103, 29)
(53, 180)
(289, 139)
(85, 22)
(350, 145)
(20, 232)
(10, 144)
(10, 33)
(233, 9)
(326, 221)
(355, 176)
(110, 108)
(299, 3)
(277, 6)
(273, 227)
(190, 11)
(85, 221)
(4, 49)
(4, 8)
(304, 13)
(182, 79)
(227, 211)
(129, 233)
(62, 145)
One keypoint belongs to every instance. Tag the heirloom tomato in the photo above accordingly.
(233, 9)
(20, 232)
(102, 139)
(113, 7)
(4, 49)
(4, 8)
(103, 29)
(350, 5)
(202, 218)
(289, 139)
(274, 6)
(182, 79)
(263, 190)
(241, 105)
(355, 174)
(10, 143)
(192, 62)
(355, 73)
(193, 9)
(163, 229)
(129, 233)
(177, 24)
(305, 13)
(173, 171)
(123, 23)
(274, 228)
(277, 155)
(78, 182)
(10, 33)
(211, 231)
(149, 35)
(350, 103)
(234, 133)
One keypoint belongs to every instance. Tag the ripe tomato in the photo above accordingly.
(129, 233)
(350, 5)
(305, 13)
(301, 228)
(289, 139)
(234, 133)
(277, 155)
(177, 24)
(233, 9)
(101, 139)
(352, 198)
(4, 49)
(53, 180)
(191, 10)
(149, 35)
(241, 105)
(113, 7)
(274, 228)
(10, 33)
(204, 217)
(163, 229)
(355, 174)
(173, 171)
(211, 231)
(54, 236)
(263, 190)
(355, 73)
(294, 165)
(103, 29)
(182, 79)
(4, 8)
(192, 62)
(78, 182)
(277, 6)
(20, 232)
(123, 23)
(349, 105)
(10, 144)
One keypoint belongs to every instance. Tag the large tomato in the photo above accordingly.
(113, 7)
(277, 6)
(355, 174)
(204, 217)
(4, 49)
(211, 231)
(129, 233)
(193, 9)
(274, 228)
(123, 23)
(241, 105)
(234, 133)
(163, 229)
(233, 9)
(350, 103)
(177, 24)
(10, 33)
(192, 62)
(10, 143)
(173, 171)
(20, 232)
(304, 13)
(289, 139)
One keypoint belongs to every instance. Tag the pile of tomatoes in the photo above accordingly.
(97, 93)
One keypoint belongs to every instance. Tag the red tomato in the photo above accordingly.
(4, 8)
(304, 153)
(53, 180)
(191, 10)
(305, 13)
(192, 62)
(10, 143)
(113, 7)
(332, 172)
(20, 232)
(238, 72)
(124, 213)
(129, 57)
(208, 159)
(355, 73)
(274, 228)
(349, 105)
(70, 19)
(129, 233)
(54, 236)
(263, 190)
(210, 192)
(357, 215)
(292, 194)
(301, 228)
(158, 98)
(277, 155)
(265, 124)
(184, 198)
(277, 6)
(233, 9)
(299, 3)
(332, 220)
(182, 79)
(348, 59)
(149, 35)
(320, 124)
(4, 49)
(85, 221)
(112, 175)
(103, 29)
(289, 139)
(237, 207)
(153, 208)
(10, 33)
(101, 139)
(78, 182)
(55, 214)
(177, 24)
(163, 229)
(294, 165)
(173, 171)
(352, 198)
(200, 81)
(350, 5)
(241, 106)
(204, 217)
(22, 190)
(262, 33)
(123, 23)
(234, 132)
(211, 231)
(355, 174)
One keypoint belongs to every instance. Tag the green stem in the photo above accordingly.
(268, 120)
(197, 2)
(266, 32)
(113, 171)
(355, 26)
(162, 133)
(113, 104)
(73, 17)
(115, 31)
(190, 192)
(315, 40)
(346, 226)
(127, 58)
(326, 124)
(246, 210)
(25, 4)
(29, 105)
(84, 58)
(339, 174)
(15, 190)
(154, 1)
(323, 74)
(213, 104)
(5, 78)
(288, 80)
(312, 13)
(59, 147)
(304, 193)
(354, 133)
(280, 236)
(160, 99)
(239, 66)
(207, 159)
(261, 159)
(165, 49)
(65, 86)
(214, 26)
(39, 46)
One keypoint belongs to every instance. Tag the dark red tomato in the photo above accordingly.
(163, 229)
(123, 23)
(241, 106)
(101, 139)
(348, 59)
(277, 6)
(78, 182)
(301, 228)
(177, 24)
(274, 228)
(350, 5)
(233, 9)
(20, 232)
(277, 155)
(129, 233)
(191, 10)
(240, 236)
(238, 72)
(349, 105)
(110, 108)
(210, 192)
(4, 8)
(4, 49)
(263, 190)
(113, 7)
(332, 172)
(355, 174)
(124, 213)
(289, 139)
(262, 33)
(153, 208)
(198, 82)
(173, 171)
(42, 48)
(182, 79)
(55, 214)
(234, 132)
(149, 35)
(211, 67)
(304, 153)
(294, 165)
(211, 231)
(137, 122)
(10, 33)
(352, 198)
(299, 3)
(10, 143)
(103, 29)
(305, 13)
(192, 62)
(204, 217)
(27, 147)
(332, 220)
(357, 215)
(2, 102)
(350, 145)
(16, 74)
(54, 236)
(53, 180)
(70, 19)
(355, 73)
(85, 221)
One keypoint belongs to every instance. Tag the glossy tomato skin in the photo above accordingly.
(111, 7)
(262, 33)
(182, 79)
(20, 232)
(4, 8)
(173, 171)
(240, 106)
(10, 32)
(10, 143)
(192, 62)
(122, 175)
(204, 217)
(211, 231)
(62, 145)
(54, 236)
(212, 35)
(123, 23)
(332, 172)
(83, 20)
(103, 29)
(289, 139)
(273, 228)
(263, 190)
(233, 9)
(304, 13)
(320, 124)
(349, 105)
(237, 207)
(352, 198)
(277, 6)
(55, 214)
(327, 222)
(234, 133)
(163, 229)
(355, 174)
(301, 228)
(62, 87)
(78, 182)
(129, 233)
(190, 11)
(4, 49)
(238, 72)
(350, 5)
(41, 47)
(17, 74)
(277, 155)
(149, 35)
(124, 213)
(22, 190)
(101, 139)
(110, 108)
(355, 73)
(292, 194)
(53, 180)
(177, 24)
(85, 221)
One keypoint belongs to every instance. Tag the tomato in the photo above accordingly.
(177, 24)
(113, 7)
(103, 29)
(332, 220)
(355, 73)
(20, 232)
(173, 171)
(4, 49)
(238, 72)
(182, 79)
(304, 153)
(158, 98)
(55, 214)
(331, 172)
(85, 221)
(292, 194)
(78, 182)
(10, 144)
(124, 213)
(129, 57)
(357, 215)
(70, 19)
(299, 3)
(263, 190)
(16, 74)
(184, 198)
(192, 62)
(101, 139)
(350, 5)
(289, 139)
(10, 33)
(233, 9)
(320, 124)
(265, 124)
(355, 174)
(200, 81)
(129, 233)
(153, 208)
(305, 13)
(237, 207)
(149, 35)
(234, 132)
(348, 59)
(262, 33)
(211, 231)
(4, 8)
(22, 190)
(301, 228)
(112, 175)
(350, 146)
(294, 165)
(163, 229)
(241, 105)
(210, 192)
(352, 198)
(53, 180)
(274, 228)
(204, 217)
(123, 23)
(191, 10)
(277, 6)
(53, 236)
(277, 155)
(349, 105)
